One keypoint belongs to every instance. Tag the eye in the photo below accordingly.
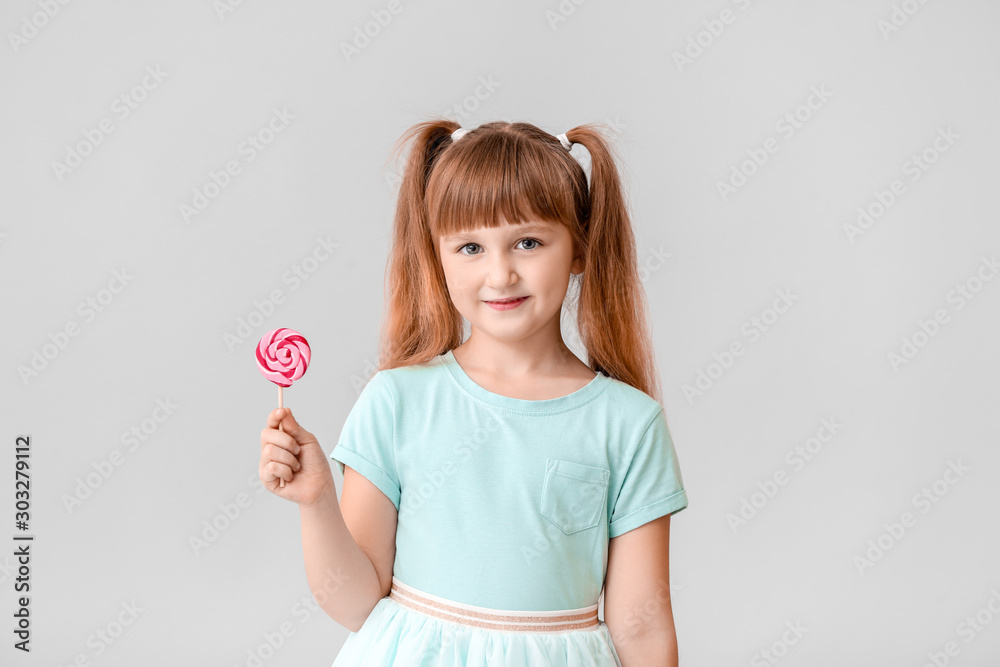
(476, 245)
(537, 245)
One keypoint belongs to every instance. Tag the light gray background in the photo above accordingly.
(680, 130)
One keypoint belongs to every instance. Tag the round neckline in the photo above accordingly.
(572, 400)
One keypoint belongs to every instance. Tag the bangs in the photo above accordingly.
(492, 177)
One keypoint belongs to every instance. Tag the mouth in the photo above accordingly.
(506, 304)
(509, 300)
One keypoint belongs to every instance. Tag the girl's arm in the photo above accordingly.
(349, 549)
(637, 596)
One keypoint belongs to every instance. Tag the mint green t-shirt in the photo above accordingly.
(504, 502)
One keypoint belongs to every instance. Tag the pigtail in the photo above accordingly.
(419, 322)
(612, 309)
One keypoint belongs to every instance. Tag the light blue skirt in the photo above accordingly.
(410, 628)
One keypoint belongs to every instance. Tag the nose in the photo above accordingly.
(500, 271)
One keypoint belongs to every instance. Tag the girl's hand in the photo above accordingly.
(295, 456)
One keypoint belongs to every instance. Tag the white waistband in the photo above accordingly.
(494, 619)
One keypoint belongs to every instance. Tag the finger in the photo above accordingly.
(278, 471)
(289, 423)
(275, 453)
(270, 436)
(266, 476)
(275, 416)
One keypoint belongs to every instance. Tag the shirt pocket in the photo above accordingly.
(574, 495)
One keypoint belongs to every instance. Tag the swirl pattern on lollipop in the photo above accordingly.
(283, 356)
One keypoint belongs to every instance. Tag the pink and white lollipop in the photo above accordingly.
(283, 357)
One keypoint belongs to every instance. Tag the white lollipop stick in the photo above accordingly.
(281, 405)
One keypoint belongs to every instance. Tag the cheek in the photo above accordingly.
(554, 278)
(450, 274)
(458, 281)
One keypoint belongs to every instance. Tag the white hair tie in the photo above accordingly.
(578, 152)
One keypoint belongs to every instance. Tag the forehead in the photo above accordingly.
(536, 226)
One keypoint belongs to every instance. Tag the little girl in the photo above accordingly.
(495, 486)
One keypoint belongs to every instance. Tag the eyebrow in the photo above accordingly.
(521, 229)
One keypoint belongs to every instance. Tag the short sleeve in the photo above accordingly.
(366, 440)
(652, 486)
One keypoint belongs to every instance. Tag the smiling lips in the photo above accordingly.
(507, 300)
(507, 304)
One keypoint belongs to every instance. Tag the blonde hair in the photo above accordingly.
(515, 172)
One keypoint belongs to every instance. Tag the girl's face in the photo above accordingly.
(532, 260)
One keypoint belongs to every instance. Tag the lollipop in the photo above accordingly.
(283, 357)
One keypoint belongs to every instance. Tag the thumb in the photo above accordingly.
(290, 425)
